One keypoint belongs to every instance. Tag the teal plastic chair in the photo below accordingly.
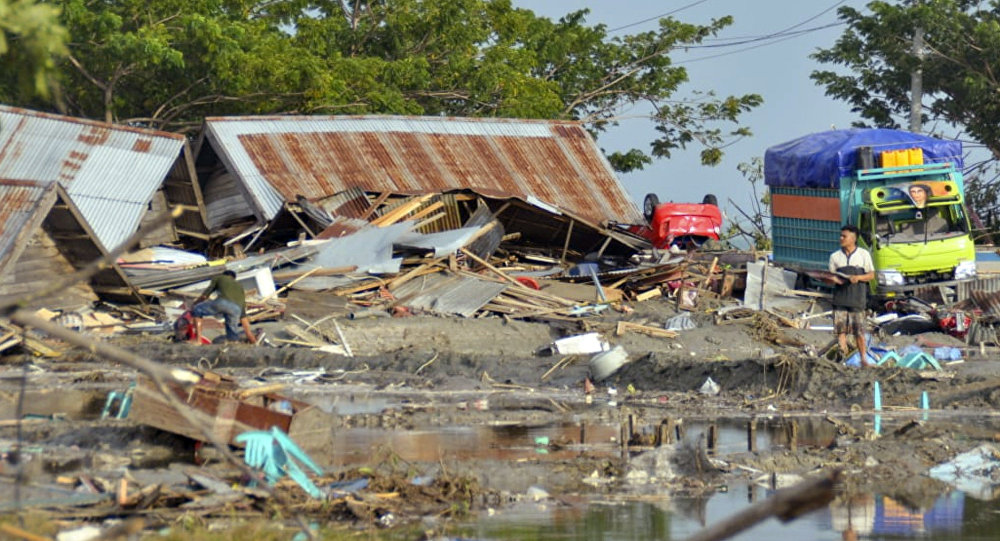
(918, 361)
(275, 454)
(888, 356)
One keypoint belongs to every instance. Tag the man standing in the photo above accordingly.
(850, 297)
(229, 302)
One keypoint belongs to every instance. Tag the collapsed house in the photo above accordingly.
(546, 180)
(46, 238)
(119, 177)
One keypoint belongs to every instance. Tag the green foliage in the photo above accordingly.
(626, 162)
(169, 63)
(31, 39)
(959, 64)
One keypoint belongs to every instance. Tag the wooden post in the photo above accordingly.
(793, 438)
(623, 436)
(708, 275)
(604, 246)
(713, 439)
(662, 435)
(752, 435)
(666, 432)
(631, 426)
(680, 430)
(763, 280)
(569, 233)
(375, 204)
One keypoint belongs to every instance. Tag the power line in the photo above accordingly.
(657, 17)
(748, 39)
(765, 37)
(781, 38)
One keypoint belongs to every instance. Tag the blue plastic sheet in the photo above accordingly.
(820, 160)
(947, 353)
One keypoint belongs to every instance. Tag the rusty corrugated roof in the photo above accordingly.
(21, 203)
(987, 301)
(110, 172)
(556, 162)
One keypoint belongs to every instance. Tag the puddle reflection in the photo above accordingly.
(953, 517)
(506, 443)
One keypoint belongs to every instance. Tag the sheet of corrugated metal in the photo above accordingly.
(982, 284)
(369, 249)
(350, 203)
(18, 203)
(448, 294)
(987, 301)
(557, 162)
(115, 168)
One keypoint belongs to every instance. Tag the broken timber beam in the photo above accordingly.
(624, 326)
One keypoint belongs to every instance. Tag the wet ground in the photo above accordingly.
(472, 404)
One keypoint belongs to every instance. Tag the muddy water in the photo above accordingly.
(463, 443)
(354, 446)
(954, 517)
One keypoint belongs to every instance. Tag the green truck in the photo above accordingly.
(904, 192)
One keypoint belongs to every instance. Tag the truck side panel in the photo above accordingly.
(805, 225)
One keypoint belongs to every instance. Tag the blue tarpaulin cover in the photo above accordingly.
(820, 160)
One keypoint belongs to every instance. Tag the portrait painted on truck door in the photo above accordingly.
(917, 194)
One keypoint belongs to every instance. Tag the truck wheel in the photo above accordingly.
(710, 199)
(649, 205)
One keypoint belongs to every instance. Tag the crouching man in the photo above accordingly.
(229, 302)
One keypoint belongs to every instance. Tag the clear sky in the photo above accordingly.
(778, 70)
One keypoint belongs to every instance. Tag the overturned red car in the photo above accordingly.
(685, 225)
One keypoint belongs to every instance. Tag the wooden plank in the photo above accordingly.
(375, 204)
(317, 271)
(427, 210)
(415, 272)
(401, 211)
(431, 220)
(625, 326)
(585, 293)
(350, 290)
(646, 295)
(569, 234)
(301, 334)
(711, 270)
(290, 284)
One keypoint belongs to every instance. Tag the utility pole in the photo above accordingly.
(917, 83)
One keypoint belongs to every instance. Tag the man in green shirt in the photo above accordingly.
(229, 302)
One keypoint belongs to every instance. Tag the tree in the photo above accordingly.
(169, 63)
(960, 66)
(31, 39)
(753, 226)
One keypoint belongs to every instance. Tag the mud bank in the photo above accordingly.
(467, 402)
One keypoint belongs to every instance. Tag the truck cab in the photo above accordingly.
(916, 230)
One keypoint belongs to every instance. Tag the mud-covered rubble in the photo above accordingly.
(384, 356)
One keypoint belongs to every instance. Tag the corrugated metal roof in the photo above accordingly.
(987, 301)
(556, 162)
(19, 202)
(109, 171)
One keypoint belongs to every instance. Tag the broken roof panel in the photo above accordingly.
(556, 162)
(111, 172)
(19, 203)
(448, 294)
(26, 206)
